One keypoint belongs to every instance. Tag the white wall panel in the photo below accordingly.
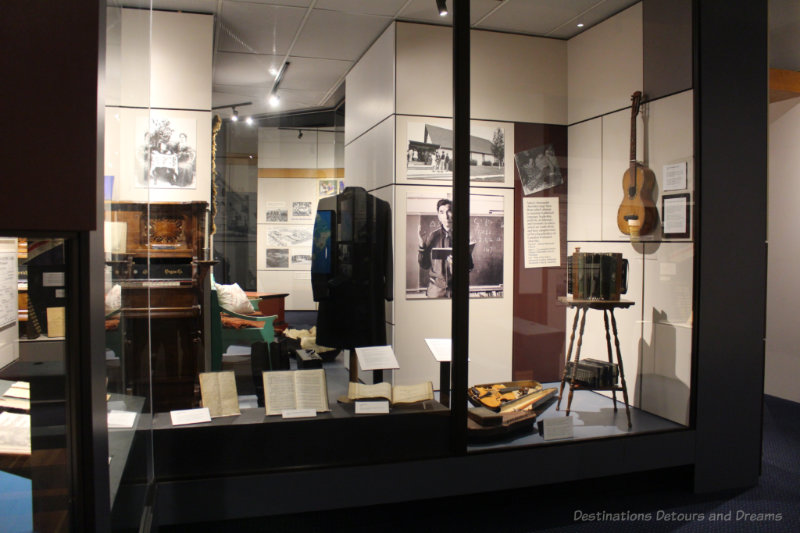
(514, 77)
(491, 319)
(666, 377)
(181, 60)
(369, 159)
(297, 284)
(424, 70)
(173, 70)
(668, 138)
(584, 163)
(9, 333)
(604, 65)
(370, 87)
(518, 78)
(783, 289)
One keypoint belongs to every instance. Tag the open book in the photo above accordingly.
(295, 389)
(398, 394)
(218, 391)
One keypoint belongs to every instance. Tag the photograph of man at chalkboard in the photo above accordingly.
(429, 246)
(436, 252)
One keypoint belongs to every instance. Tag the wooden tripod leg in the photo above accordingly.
(621, 370)
(569, 356)
(610, 356)
(577, 358)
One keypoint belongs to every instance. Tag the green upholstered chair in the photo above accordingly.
(222, 337)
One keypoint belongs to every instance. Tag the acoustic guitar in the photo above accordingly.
(637, 207)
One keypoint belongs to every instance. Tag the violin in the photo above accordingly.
(637, 209)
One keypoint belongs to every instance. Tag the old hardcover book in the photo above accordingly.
(484, 416)
(399, 394)
(218, 393)
(295, 389)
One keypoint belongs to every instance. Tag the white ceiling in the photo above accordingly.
(323, 39)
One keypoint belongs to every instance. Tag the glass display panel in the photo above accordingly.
(591, 334)
(34, 454)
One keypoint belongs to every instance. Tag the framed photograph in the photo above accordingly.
(302, 211)
(429, 246)
(538, 169)
(166, 153)
(676, 215)
(428, 147)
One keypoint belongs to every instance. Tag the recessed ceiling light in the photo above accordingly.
(580, 24)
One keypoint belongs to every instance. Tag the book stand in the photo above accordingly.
(607, 306)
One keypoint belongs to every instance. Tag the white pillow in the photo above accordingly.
(114, 298)
(233, 298)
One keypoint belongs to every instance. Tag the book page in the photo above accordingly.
(279, 391)
(311, 390)
(218, 391)
(412, 393)
(361, 391)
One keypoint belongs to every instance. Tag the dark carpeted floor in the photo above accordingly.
(652, 502)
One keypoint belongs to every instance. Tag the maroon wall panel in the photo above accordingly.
(539, 321)
(50, 123)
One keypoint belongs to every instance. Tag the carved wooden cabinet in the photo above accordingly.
(162, 272)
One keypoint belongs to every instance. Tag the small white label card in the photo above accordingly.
(557, 428)
(376, 358)
(441, 349)
(121, 419)
(372, 408)
(299, 413)
(184, 417)
(53, 279)
(675, 176)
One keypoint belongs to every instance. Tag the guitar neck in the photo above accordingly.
(633, 140)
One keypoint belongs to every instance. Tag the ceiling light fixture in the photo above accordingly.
(300, 135)
(274, 99)
(580, 24)
(235, 116)
(442, 6)
(249, 121)
(273, 71)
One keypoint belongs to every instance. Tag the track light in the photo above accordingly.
(300, 135)
(235, 116)
(249, 121)
(274, 100)
(442, 5)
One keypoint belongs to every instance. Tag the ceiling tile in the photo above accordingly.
(538, 18)
(232, 68)
(261, 28)
(425, 11)
(294, 3)
(591, 17)
(334, 35)
(388, 8)
(190, 6)
(314, 74)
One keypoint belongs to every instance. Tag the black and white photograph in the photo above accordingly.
(429, 260)
(429, 153)
(167, 153)
(301, 211)
(286, 236)
(276, 212)
(300, 258)
(277, 258)
(538, 169)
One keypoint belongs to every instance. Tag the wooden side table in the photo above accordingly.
(607, 306)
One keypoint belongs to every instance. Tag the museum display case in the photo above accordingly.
(402, 268)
